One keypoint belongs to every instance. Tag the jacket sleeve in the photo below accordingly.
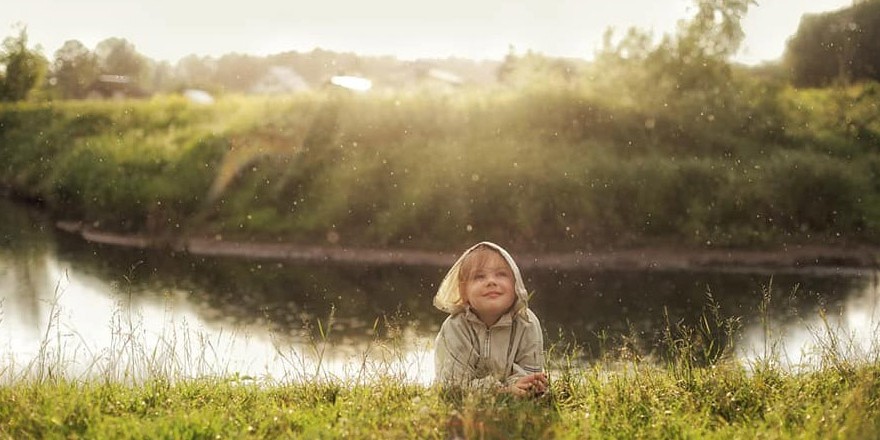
(530, 352)
(455, 358)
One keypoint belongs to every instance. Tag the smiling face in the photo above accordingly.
(486, 283)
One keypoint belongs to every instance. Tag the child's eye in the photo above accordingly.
(479, 276)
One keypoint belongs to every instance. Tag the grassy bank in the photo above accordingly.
(638, 403)
(621, 399)
(538, 168)
(141, 387)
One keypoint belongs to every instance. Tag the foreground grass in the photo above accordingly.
(636, 401)
(693, 389)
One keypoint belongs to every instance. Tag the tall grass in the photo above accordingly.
(694, 390)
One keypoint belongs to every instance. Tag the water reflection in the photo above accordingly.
(187, 315)
(94, 327)
(833, 329)
(584, 305)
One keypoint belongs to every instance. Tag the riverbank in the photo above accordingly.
(805, 258)
(544, 170)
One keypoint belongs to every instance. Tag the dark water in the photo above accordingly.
(282, 305)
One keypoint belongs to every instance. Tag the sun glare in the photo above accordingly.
(478, 30)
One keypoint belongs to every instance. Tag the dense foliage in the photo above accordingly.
(543, 168)
(21, 70)
(837, 46)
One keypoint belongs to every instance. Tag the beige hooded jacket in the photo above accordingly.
(468, 353)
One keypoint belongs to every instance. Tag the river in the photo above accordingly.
(69, 306)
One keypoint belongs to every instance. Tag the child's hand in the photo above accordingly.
(533, 384)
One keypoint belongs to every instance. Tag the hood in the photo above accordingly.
(448, 297)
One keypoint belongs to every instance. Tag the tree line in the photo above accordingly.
(115, 66)
(835, 47)
(654, 139)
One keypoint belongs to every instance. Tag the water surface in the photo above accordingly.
(94, 309)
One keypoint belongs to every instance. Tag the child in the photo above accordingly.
(491, 339)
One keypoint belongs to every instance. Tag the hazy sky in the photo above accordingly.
(171, 29)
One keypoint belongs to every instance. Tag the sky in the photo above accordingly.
(408, 29)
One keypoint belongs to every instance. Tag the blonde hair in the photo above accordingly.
(448, 297)
(476, 260)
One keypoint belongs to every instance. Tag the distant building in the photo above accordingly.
(278, 80)
(115, 87)
(445, 77)
(437, 79)
(353, 83)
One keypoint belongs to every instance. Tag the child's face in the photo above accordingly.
(489, 290)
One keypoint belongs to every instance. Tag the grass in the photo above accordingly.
(693, 390)
(543, 168)
(637, 401)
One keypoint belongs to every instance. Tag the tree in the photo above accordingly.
(696, 58)
(196, 72)
(685, 84)
(118, 57)
(162, 77)
(535, 69)
(75, 70)
(21, 69)
(239, 73)
(836, 46)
